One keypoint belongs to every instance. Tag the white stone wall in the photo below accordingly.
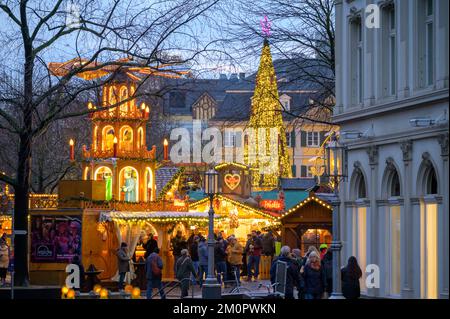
(387, 121)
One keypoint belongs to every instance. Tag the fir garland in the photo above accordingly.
(170, 184)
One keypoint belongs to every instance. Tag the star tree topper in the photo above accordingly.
(265, 26)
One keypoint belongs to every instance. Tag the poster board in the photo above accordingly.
(55, 238)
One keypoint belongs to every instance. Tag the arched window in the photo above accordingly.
(104, 173)
(358, 183)
(126, 138)
(427, 184)
(427, 179)
(391, 186)
(140, 140)
(112, 99)
(149, 194)
(123, 96)
(129, 184)
(95, 137)
(87, 173)
(108, 138)
(361, 187)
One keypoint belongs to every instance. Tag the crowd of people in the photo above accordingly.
(310, 274)
(4, 259)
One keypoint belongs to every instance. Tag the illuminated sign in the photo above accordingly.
(179, 202)
(272, 204)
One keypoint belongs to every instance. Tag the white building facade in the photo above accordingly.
(392, 99)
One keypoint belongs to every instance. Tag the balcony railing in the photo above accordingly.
(51, 201)
(135, 207)
(143, 153)
(114, 114)
(43, 201)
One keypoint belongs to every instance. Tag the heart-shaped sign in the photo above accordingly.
(232, 180)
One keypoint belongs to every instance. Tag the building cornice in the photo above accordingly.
(400, 137)
(393, 106)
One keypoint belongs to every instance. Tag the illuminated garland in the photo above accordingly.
(217, 167)
(170, 184)
(266, 113)
(239, 204)
(307, 200)
(192, 218)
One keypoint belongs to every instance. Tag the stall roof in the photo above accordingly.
(127, 215)
(291, 197)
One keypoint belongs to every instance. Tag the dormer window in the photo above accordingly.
(285, 101)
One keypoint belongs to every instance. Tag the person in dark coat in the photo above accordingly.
(123, 263)
(184, 268)
(313, 277)
(220, 260)
(268, 245)
(193, 251)
(293, 278)
(327, 266)
(153, 270)
(350, 276)
(178, 243)
(150, 246)
(254, 257)
(203, 259)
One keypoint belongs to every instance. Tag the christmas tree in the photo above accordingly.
(266, 119)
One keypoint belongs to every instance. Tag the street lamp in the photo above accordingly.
(335, 170)
(211, 287)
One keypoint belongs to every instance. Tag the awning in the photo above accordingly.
(154, 216)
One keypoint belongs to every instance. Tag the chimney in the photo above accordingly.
(242, 76)
(233, 77)
(223, 76)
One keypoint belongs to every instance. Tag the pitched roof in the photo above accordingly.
(163, 176)
(297, 183)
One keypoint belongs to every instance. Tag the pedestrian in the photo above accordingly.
(153, 270)
(313, 277)
(350, 276)
(293, 278)
(298, 260)
(327, 265)
(184, 268)
(310, 250)
(234, 254)
(202, 259)
(277, 246)
(193, 251)
(268, 245)
(4, 261)
(150, 246)
(323, 248)
(123, 262)
(254, 257)
(178, 243)
(220, 259)
(245, 255)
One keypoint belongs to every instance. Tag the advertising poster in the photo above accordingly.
(55, 239)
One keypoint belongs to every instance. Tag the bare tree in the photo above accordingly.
(98, 35)
(302, 38)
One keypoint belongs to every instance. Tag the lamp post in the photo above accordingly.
(335, 170)
(211, 287)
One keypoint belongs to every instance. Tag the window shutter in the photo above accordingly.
(294, 170)
(322, 137)
(303, 138)
(293, 138)
(303, 172)
(238, 139)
